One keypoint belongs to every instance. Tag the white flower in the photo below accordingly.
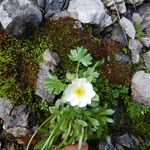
(79, 92)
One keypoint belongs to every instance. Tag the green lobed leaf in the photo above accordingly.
(86, 60)
(80, 54)
(53, 85)
(91, 74)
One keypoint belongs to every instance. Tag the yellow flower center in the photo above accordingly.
(79, 91)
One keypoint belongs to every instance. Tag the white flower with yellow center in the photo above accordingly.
(79, 93)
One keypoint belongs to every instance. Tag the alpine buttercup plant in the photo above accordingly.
(77, 115)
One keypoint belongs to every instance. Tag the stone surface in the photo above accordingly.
(135, 46)
(128, 27)
(146, 57)
(141, 87)
(21, 121)
(118, 35)
(18, 120)
(46, 67)
(88, 11)
(18, 131)
(19, 17)
(144, 11)
(8, 146)
(126, 141)
(41, 3)
(120, 5)
(50, 57)
(106, 145)
(146, 41)
(62, 14)
(77, 24)
(137, 18)
(119, 147)
(122, 57)
(5, 108)
(20, 116)
(136, 2)
(53, 7)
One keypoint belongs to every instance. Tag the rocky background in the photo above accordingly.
(35, 37)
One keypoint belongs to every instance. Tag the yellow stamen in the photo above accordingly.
(79, 91)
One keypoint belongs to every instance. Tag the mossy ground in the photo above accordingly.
(19, 65)
(19, 59)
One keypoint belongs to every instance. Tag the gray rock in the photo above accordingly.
(18, 120)
(136, 47)
(5, 144)
(8, 146)
(5, 108)
(44, 72)
(77, 24)
(18, 131)
(141, 88)
(147, 59)
(87, 11)
(106, 145)
(21, 116)
(126, 141)
(122, 57)
(19, 17)
(136, 2)
(50, 62)
(144, 11)
(53, 7)
(62, 14)
(119, 147)
(146, 41)
(41, 3)
(118, 35)
(137, 18)
(116, 4)
(122, 7)
(136, 140)
(50, 57)
(128, 27)
(135, 44)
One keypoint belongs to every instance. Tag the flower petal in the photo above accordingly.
(74, 95)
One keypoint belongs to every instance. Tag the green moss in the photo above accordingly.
(19, 66)
(139, 33)
(19, 59)
(64, 38)
(143, 146)
(139, 118)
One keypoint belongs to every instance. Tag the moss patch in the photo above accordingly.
(138, 116)
(117, 73)
(19, 59)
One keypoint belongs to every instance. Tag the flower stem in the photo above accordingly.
(77, 69)
(29, 143)
(49, 138)
(81, 139)
(69, 129)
